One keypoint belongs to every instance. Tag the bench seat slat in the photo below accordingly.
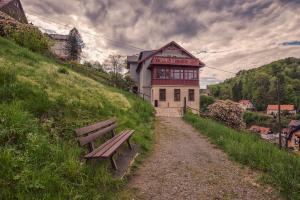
(108, 148)
(93, 127)
(93, 136)
(117, 145)
(110, 145)
(103, 146)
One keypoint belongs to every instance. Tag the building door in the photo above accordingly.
(156, 103)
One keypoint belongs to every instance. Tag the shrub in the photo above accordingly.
(29, 37)
(205, 101)
(63, 70)
(255, 118)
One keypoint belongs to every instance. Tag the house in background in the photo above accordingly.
(293, 135)
(273, 109)
(59, 48)
(205, 92)
(167, 77)
(246, 104)
(14, 9)
(260, 130)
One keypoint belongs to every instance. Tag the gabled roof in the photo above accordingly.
(162, 48)
(294, 123)
(4, 2)
(145, 55)
(282, 107)
(260, 129)
(245, 102)
(58, 36)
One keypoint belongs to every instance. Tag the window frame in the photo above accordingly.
(177, 95)
(189, 95)
(162, 94)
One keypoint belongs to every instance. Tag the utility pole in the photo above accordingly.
(279, 113)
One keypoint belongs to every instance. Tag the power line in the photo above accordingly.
(220, 70)
(96, 36)
(119, 42)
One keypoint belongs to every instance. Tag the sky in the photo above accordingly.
(230, 35)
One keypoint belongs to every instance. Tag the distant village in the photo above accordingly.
(290, 135)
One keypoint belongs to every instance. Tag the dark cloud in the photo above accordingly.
(96, 11)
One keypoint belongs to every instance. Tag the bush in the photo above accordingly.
(63, 70)
(29, 37)
(205, 101)
(255, 118)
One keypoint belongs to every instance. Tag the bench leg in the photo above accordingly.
(113, 162)
(129, 145)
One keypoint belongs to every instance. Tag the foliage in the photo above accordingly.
(260, 85)
(205, 101)
(228, 112)
(255, 118)
(281, 168)
(40, 108)
(74, 45)
(63, 70)
(29, 37)
(115, 65)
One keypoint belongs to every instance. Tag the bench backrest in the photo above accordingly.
(92, 132)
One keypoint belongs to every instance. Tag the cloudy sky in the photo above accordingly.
(229, 35)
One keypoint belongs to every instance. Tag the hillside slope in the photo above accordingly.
(259, 85)
(42, 103)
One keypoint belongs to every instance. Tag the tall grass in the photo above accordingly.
(40, 108)
(281, 168)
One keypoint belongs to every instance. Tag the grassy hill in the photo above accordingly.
(42, 103)
(259, 85)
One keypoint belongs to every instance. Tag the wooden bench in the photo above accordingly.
(88, 135)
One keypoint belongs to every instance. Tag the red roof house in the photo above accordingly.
(260, 129)
(273, 109)
(246, 104)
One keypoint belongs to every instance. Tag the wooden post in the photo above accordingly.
(184, 105)
(113, 162)
(279, 113)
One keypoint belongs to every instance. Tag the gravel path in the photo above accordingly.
(185, 165)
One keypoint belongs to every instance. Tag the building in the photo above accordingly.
(246, 104)
(293, 135)
(14, 9)
(167, 77)
(59, 48)
(205, 92)
(273, 109)
(260, 130)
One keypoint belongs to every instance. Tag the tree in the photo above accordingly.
(237, 91)
(74, 45)
(115, 65)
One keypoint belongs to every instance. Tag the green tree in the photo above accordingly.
(74, 45)
(237, 91)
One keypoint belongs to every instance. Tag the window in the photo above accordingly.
(191, 95)
(176, 94)
(177, 74)
(162, 94)
(191, 75)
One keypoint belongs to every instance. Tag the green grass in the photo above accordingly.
(41, 103)
(281, 169)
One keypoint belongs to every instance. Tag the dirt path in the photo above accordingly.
(184, 165)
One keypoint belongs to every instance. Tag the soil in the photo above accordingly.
(185, 165)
